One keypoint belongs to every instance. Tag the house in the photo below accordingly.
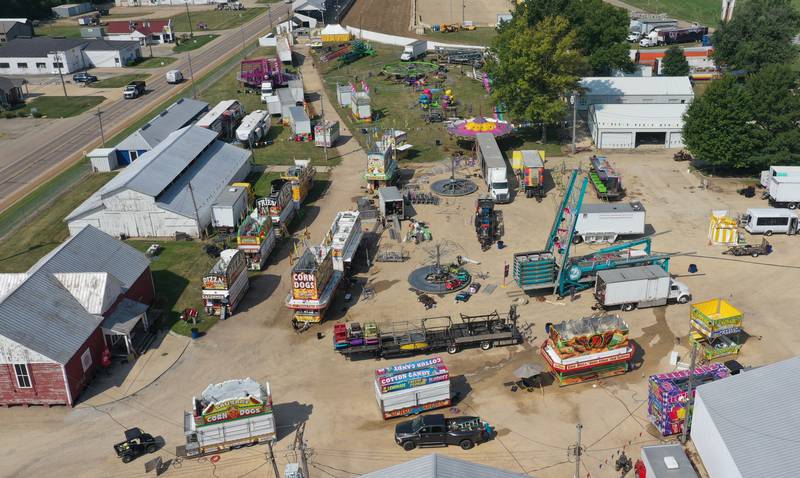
(10, 29)
(71, 9)
(89, 294)
(625, 126)
(170, 189)
(178, 115)
(146, 32)
(11, 92)
(648, 89)
(440, 466)
(745, 426)
(42, 55)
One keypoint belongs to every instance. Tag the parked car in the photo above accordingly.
(136, 444)
(436, 430)
(83, 77)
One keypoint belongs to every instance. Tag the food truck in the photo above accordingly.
(256, 238)
(226, 283)
(280, 205)
(381, 166)
(411, 388)
(228, 415)
(314, 283)
(301, 178)
(343, 239)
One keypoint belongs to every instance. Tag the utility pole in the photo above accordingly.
(463, 7)
(189, 18)
(151, 49)
(327, 134)
(99, 115)
(241, 31)
(578, 452)
(60, 75)
(574, 100)
(689, 396)
(191, 75)
(272, 460)
(300, 444)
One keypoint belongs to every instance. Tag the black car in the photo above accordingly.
(136, 444)
(83, 77)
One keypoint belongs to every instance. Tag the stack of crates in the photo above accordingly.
(535, 270)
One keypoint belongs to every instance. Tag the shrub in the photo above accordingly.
(9, 115)
(36, 114)
(22, 113)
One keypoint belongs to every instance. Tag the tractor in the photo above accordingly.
(488, 222)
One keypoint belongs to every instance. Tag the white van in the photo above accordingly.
(768, 221)
(174, 77)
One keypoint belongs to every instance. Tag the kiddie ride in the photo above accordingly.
(488, 223)
(553, 268)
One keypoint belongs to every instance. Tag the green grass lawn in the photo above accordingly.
(194, 43)
(215, 19)
(706, 12)
(58, 30)
(119, 16)
(396, 106)
(119, 81)
(45, 229)
(62, 106)
(153, 62)
(479, 36)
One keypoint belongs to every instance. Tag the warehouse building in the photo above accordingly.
(630, 125)
(178, 115)
(745, 426)
(45, 56)
(168, 190)
(89, 294)
(71, 9)
(440, 466)
(634, 89)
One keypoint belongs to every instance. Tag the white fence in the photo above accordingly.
(401, 41)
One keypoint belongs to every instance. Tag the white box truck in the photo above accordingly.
(778, 171)
(605, 222)
(644, 286)
(784, 188)
(228, 415)
(493, 167)
(414, 50)
(411, 388)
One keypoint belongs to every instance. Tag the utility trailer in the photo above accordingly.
(398, 339)
(598, 223)
(605, 179)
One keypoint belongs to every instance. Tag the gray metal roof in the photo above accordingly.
(655, 455)
(489, 148)
(229, 196)
(125, 316)
(176, 116)
(612, 207)
(298, 114)
(440, 466)
(38, 47)
(7, 83)
(756, 414)
(92, 250)
(111, 45)
(632, 273)
(390, 193)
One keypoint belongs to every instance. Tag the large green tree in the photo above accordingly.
(759, 33)
(716, 128)
(774, 106)
(533, 68)
(601, 29)
(674, 63)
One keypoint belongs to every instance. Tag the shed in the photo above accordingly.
(665, 461)
(71, 9)
(440, 466)
(652, 90)
(360, 106)
(298, 119)
(745, 426)
(334, 34)
(287, 101)
(343, 95)
(625, 126)
(230, 207)
(103, 159)
(391, 202)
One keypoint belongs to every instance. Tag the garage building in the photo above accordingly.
(44, 56)
(625, 126)
(745, 426)
(634, 89)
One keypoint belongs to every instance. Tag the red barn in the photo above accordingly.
(89, 294)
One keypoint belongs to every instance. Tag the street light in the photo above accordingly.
(57, 63)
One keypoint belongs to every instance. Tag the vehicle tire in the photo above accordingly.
(768, 233)
(754, 254)
(150, 449)
(628, 307)
(792, 205)
(486, 345)
(452, 348)
(466, 444)
(577, 239)
(409, 445)
(683, 299)
(127, 459)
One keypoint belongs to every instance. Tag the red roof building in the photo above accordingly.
(146, 32)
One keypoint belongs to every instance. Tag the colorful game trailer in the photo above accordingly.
(669, 395)
(587, 349)
(256, 238)
(413, 387)
(716, 328)
(301, 177)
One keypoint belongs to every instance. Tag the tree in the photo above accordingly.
(601, 29)
(674, 63)
(532, 69)
(716, 128)
(774, 106)
(759, 33)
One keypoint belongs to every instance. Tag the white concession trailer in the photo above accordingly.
(605, 222)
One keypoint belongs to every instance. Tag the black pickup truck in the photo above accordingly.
(436, 430)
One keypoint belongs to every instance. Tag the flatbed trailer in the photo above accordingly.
(433, 334)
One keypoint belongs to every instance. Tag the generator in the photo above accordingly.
(488, 222)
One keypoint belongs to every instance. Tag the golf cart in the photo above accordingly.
(136, 443)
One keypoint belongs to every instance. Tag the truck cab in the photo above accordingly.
(634, 37)
(133, 90)
(266, 91)
(679, 292)
(498, 185)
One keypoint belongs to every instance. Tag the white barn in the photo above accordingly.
(634, 89)
(625, 126)
(168, 190)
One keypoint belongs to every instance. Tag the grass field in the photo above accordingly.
(58, 30)
(153, 62)
(706, 12)
(119, 81)
(61, 106)
(396, 105)
(119, 16)
(193, 44)
(214, 19)
(479, 36)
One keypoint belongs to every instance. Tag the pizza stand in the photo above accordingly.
(225, 284)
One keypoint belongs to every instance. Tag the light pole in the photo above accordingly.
(99, 115)
(189, 18)
(191, 75)
(574, 100)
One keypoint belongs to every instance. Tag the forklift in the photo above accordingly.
(136, 444)
(488, 222)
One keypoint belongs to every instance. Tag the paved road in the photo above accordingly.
(33, 158)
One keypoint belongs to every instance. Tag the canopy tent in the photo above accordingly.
(334, 33)
(471, 127)
(723, 230)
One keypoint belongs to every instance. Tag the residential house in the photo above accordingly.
(146, 32)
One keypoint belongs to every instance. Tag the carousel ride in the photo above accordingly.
(439, 278)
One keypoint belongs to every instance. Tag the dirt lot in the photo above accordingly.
(480, 12)
(347, 437)
(394, 17)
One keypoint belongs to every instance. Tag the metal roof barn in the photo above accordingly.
(440, 466)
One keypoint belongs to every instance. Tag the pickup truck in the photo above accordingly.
(436, 430)
(134, 90)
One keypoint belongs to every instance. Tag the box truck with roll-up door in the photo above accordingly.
(644, 286)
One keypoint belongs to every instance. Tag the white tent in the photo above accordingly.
(334, 29)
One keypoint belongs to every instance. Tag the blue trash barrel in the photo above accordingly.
(692, 268)
(500, 244)
(195, 333)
